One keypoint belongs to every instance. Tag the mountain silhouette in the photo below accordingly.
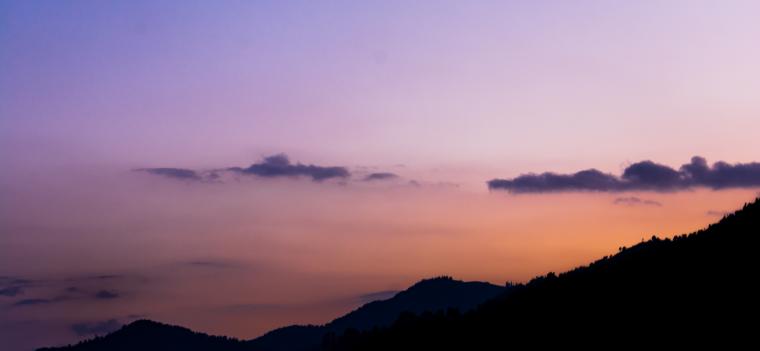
(427, 295)
(150, 335)
(695, 290)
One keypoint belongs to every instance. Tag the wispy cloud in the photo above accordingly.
(95, 328)
(213, 263)
(713, 213)
(176, 173)
(106, 295)
(380, 176)
(36, 301)
(635, 201)
(69, 293)
(11, 291)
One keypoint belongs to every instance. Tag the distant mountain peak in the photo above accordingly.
(443, 279)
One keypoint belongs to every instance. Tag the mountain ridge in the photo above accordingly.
(427, 294)
(695, 289)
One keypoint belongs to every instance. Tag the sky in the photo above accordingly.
(238, 166)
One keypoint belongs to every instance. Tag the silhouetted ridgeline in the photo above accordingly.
(690, 290)
(149, 335)
(427, 295)
(696, 289)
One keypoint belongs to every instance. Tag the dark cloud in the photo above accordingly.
(214, 264)
(647, 175)
(588, 180)
(69, 293)
(94, 277)
(722, 175)
(31, 302)
(106, 295)
(380, 176)
(635, 201)
(640, 176)
(175, 173)
(209, 263)
(280, 166)
(42, 301)
(270, 167)
(95, 328)
(14, 281)
(11, 291)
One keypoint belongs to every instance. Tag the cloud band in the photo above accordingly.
(640, 176)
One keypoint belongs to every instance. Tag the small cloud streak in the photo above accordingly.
(380, 176)
(106, 295)
(11, 291)
(32, 302)
(95, 328)
(713, 213)
(635, 201)
(640, 176)
(174, 173)
(216, 264)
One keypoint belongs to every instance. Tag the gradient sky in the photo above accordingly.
(445, 94)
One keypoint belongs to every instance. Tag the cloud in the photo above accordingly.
(69, 293)
(213, 264)
(14, 281)
(713, 213)
(647, 175)
(380, 176)
(95, 328)
(270, 167)
(106, 295)
(31, 302)
(588, 180)
(635, 201)
(175, 173)
(722, 175)
(280, 166)
(42, 301)
(209, 263)
(640, 176)
(11, 291)
(94, 278)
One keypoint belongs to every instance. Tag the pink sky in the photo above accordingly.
(447, 94)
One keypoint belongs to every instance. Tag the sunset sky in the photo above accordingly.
(237, 166)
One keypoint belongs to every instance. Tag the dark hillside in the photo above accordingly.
(691, 289)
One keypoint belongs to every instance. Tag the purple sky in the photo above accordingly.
(445, 95)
